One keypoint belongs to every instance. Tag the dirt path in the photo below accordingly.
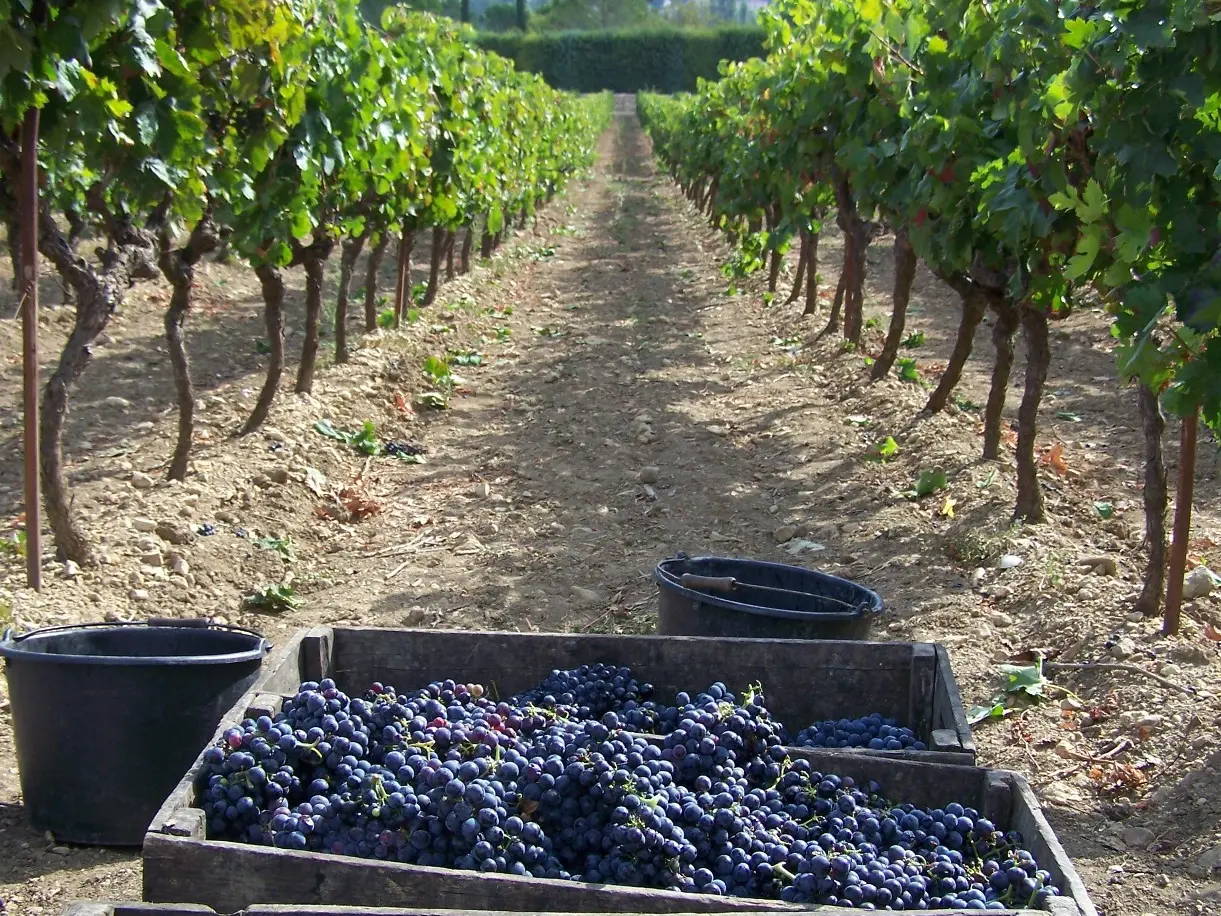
(608, 347)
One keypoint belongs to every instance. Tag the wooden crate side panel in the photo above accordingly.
(923, 783)
(178, 869)
(308, 662)
(953, 758)
(382, 911)
(923, 684)
(948, 711)
(292, 909)
(1041, 840)
(295, 910)
(803, 681)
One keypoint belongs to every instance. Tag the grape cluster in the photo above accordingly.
(586, 777)
(402, 449)
(873, 732)
(586, 692)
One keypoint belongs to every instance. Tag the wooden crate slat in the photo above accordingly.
(186, 870)
(293, 909)
(803, 681)
(948, 711)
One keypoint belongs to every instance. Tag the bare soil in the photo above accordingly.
(609, 345)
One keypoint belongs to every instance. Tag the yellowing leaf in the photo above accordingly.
(947, 507)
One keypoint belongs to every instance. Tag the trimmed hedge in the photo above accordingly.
(660, 60)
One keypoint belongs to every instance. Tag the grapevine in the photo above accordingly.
(1030, 153)
(281, 130)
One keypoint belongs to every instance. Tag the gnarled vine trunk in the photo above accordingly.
(811, 305)
(272, 282)
(974, 305)
(905, 275)
(1003, 332)
(98, 294)
(1150, 600)
(856, 241)
(372, 271)
(776, 259)
(468, 243)
(434, 265)
(313, 258)
(178, 265)
(800, 277)
(450, 238)
(836, 304)
(347, 266)
(1038, 357)
(402, 275)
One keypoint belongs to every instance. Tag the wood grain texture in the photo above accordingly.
(186, 870)
(948, 711)
(460, 894)
(804, 681)
(292, 909)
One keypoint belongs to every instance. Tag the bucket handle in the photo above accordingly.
(728, 584)
(205, 623)
(202, 623)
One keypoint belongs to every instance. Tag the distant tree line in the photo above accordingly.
(574, 15)
(665, 59)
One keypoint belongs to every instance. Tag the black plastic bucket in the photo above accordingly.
(764, 601)
(108, 718)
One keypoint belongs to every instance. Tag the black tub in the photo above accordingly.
(753, 599)
(107, 717)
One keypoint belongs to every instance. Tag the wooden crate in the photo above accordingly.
(182, 866)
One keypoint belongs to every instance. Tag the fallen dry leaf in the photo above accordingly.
(1054, 459)
(1211, 632)
(358, 503)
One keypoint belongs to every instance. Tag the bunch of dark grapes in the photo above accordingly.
(587, 692)
(402, 449)
(874, 732)
(716, 735)
(564, 782)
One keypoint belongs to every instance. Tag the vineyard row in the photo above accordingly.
(278, 131)
(1029, 152)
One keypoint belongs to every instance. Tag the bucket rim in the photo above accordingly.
(871, 604)
(11, 648)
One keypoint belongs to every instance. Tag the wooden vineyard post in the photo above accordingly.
(29, 352)
(1184, 491)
